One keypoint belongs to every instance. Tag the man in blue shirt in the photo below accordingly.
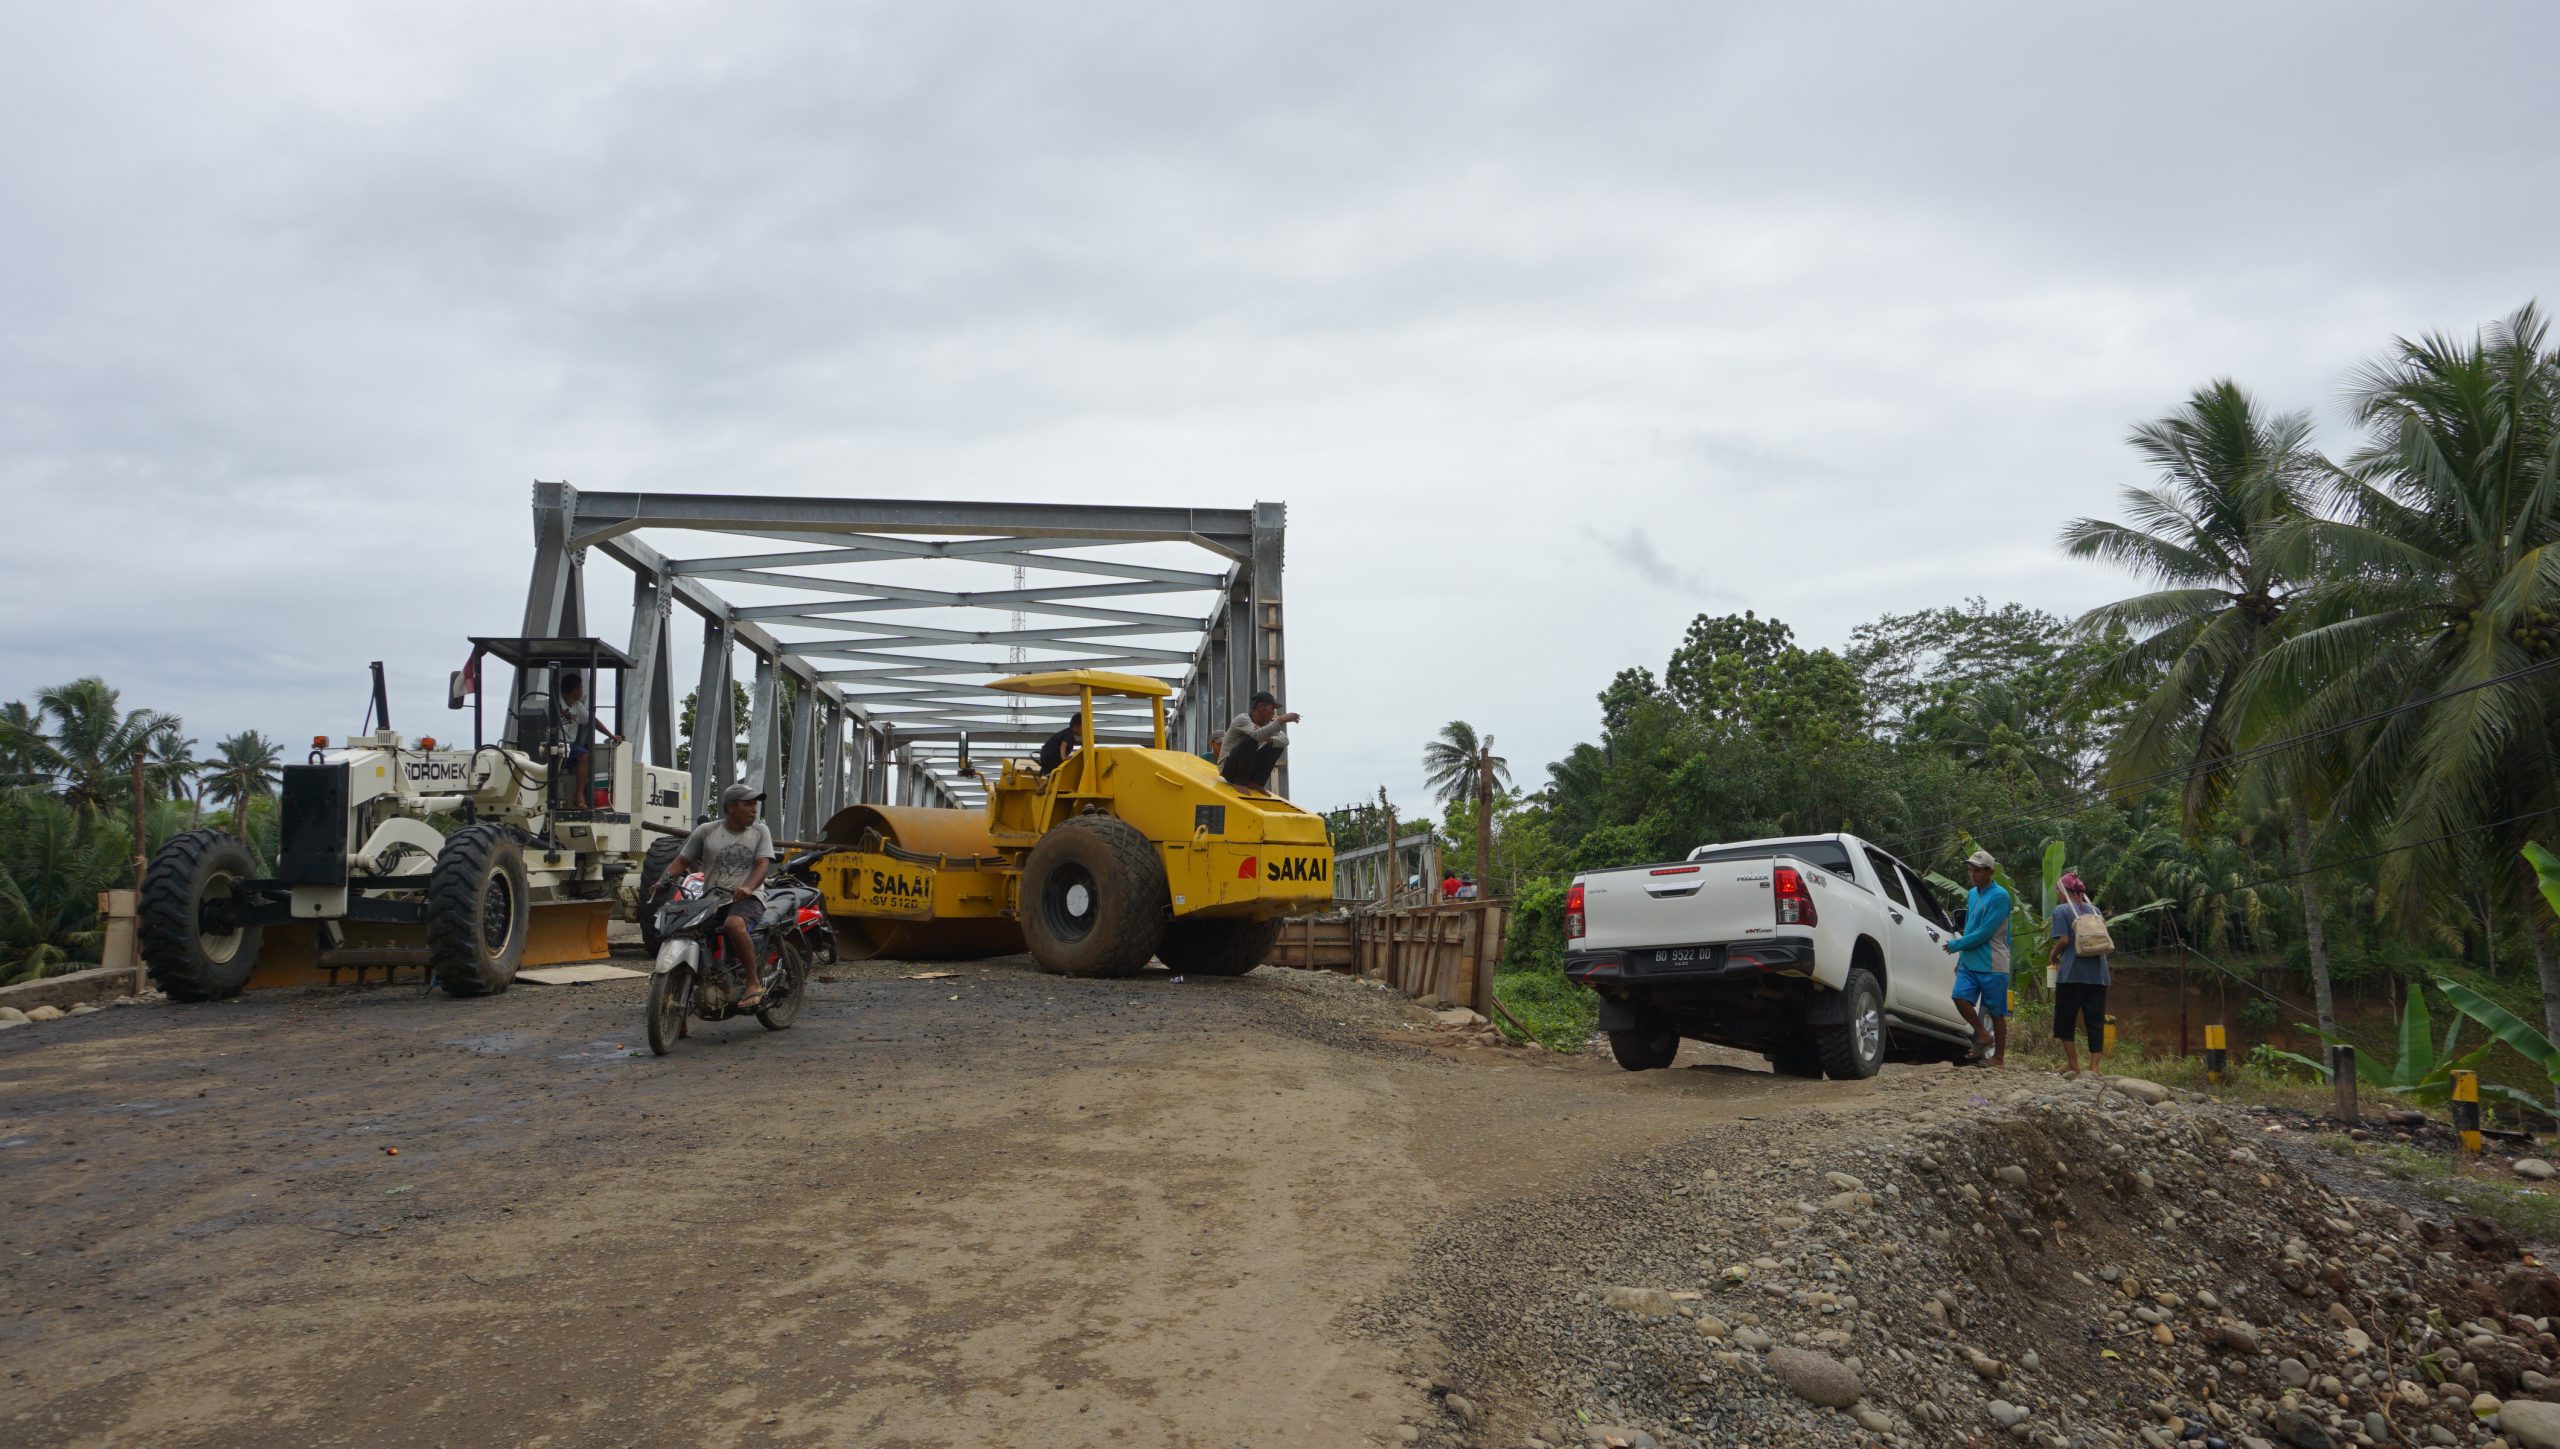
(1982, 959)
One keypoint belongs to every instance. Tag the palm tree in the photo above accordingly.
(2443, 576)
(244, 767)
(1458, 766)
(54, 860)
(93, 741)
(174, 770)
(25, 755)
(2213, 534)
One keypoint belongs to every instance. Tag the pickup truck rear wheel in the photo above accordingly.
(1854, 1050)
(1645, 1048)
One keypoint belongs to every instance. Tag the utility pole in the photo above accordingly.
(141, 839)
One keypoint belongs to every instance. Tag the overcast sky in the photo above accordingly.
(1553, 325)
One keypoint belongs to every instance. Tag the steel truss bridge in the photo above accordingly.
(876, 625)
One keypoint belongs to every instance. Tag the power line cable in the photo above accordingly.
(1955, 830)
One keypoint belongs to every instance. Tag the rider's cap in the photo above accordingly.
(736, 793)
(1981, 858)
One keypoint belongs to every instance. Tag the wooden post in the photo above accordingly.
(2342, 1083)
(141, 835)
(117, 951)
(2182, 1006)
(1394, 878)
(2466, 1110)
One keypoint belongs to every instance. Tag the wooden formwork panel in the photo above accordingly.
(1315, 943)
(1443, 953)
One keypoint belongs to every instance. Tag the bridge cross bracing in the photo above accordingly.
(866, 630)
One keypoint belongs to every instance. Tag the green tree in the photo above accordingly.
(1459, 767)
(739, 709)
(87, 743)
(2213, 534)
(25, 755)
(55, 858)
(245, 766)
(2442, 576)
(175, 772)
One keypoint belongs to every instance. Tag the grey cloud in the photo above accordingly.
(1634, 548)
(1856, 301)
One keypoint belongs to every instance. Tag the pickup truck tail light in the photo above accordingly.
(1795, 903)
(1573, 911)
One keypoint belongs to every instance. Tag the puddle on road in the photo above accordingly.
(604, 1051)
(494, 1044)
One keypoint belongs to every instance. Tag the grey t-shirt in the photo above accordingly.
(2074, 968)
(726, 857)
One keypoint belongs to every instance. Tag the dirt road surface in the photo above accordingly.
(997, 1208)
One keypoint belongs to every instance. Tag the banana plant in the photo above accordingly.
(2421, 1074)
(2504, 1025)
(2546, 867)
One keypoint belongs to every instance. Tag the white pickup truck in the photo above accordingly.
(1821, 952)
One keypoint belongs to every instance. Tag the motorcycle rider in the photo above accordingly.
(733, 853)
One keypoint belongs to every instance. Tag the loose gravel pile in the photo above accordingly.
(2060, 1264)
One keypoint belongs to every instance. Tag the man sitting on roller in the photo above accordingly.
(733, 853)
(1252, 746)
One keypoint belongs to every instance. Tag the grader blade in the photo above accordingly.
(557, 934)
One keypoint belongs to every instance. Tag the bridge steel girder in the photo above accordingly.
(876, 658)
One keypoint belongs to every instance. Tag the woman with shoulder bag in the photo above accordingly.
(2077, 958)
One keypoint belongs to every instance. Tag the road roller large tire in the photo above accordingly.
(186, 897)
(1093, 898)
(477, 914)
(1217, 948)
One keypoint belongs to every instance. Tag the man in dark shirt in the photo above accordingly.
(1055, 749)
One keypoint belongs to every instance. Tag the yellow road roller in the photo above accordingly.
(1120, 854)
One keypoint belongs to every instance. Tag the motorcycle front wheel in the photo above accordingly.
(790, 986)
(670, 1002)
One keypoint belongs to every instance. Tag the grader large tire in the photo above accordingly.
(186, 896)
(477, 914)
(1093, 898)
(662, 853)
(1216, 948)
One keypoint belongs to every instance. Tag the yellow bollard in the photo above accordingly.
(2111, 1034)
(2466, 1109)
(2217, 1057)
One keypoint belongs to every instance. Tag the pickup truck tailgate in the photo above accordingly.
(1665, 905)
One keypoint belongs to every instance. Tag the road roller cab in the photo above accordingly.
(1120, 854)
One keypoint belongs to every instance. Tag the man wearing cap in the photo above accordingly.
(1252, 746)
(733, 853)
(1982, 959)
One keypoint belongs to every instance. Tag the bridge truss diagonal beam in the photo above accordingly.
(870, 634)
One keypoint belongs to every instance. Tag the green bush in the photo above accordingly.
(1558, 1013)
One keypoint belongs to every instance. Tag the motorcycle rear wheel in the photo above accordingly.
(789, 989)
(670, 1002)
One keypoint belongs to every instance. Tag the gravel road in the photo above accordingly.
(993, 1208)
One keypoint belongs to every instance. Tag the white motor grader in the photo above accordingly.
(464, 862)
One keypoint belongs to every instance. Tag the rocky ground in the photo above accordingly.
(2021, 1258)
(990, 1206)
